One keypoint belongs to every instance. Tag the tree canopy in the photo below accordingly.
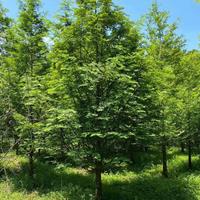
(92, 88)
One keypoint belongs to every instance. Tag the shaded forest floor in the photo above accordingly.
(144, 182)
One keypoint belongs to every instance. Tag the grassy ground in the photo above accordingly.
(64, 183)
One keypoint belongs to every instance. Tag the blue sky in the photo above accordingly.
(186, 11)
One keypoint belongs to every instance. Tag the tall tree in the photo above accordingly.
(188, 94)
(6, 75)
(98, 57)
(30, 51)
(164, 50)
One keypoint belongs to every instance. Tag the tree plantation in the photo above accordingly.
(96, 106)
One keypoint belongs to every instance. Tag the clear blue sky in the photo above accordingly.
(187, 11)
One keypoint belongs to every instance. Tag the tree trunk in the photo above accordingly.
(62, 153)
(16, 144)
(182, 147)
(189, 155)
(146, 149)
(132, 157)
(164, 160)
(2, 145)
(98, 181)
(39, 152)
(31, 163)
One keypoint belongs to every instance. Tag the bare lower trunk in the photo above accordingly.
(16, 144)
(2, 141)
(182, 147)
(62, 143)
(39, 152)
(98, 181)
(31, 163)
(189, 155)
(164, 160)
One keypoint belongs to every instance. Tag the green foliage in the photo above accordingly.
(164, 49)
(91, 90)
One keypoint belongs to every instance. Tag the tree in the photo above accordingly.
(96, 55)
(29, 55)
(164, 50)
(6, 79)
(188, 92)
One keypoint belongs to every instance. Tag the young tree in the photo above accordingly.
(6, 82)
(188, 92)
(164, 50)
(29, 55)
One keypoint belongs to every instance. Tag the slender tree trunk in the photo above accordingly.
(2, 141)
(62, 153)
(198, 148)
(146, 149)
(31, 163)
(39, 152)
(189, 155)
(182, 147)
(31, 149)
(131, 156)
(98, 181)
(16, 144)
(164, 160)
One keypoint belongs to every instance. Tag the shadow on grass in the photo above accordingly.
(128, 187)
(145, 160)
(48, 177)
(179, 165)
(150, 188)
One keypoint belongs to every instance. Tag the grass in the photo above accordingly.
(65, 183)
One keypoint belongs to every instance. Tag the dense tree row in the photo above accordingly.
(93, 85)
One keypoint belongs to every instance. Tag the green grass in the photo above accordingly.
(64, 183)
